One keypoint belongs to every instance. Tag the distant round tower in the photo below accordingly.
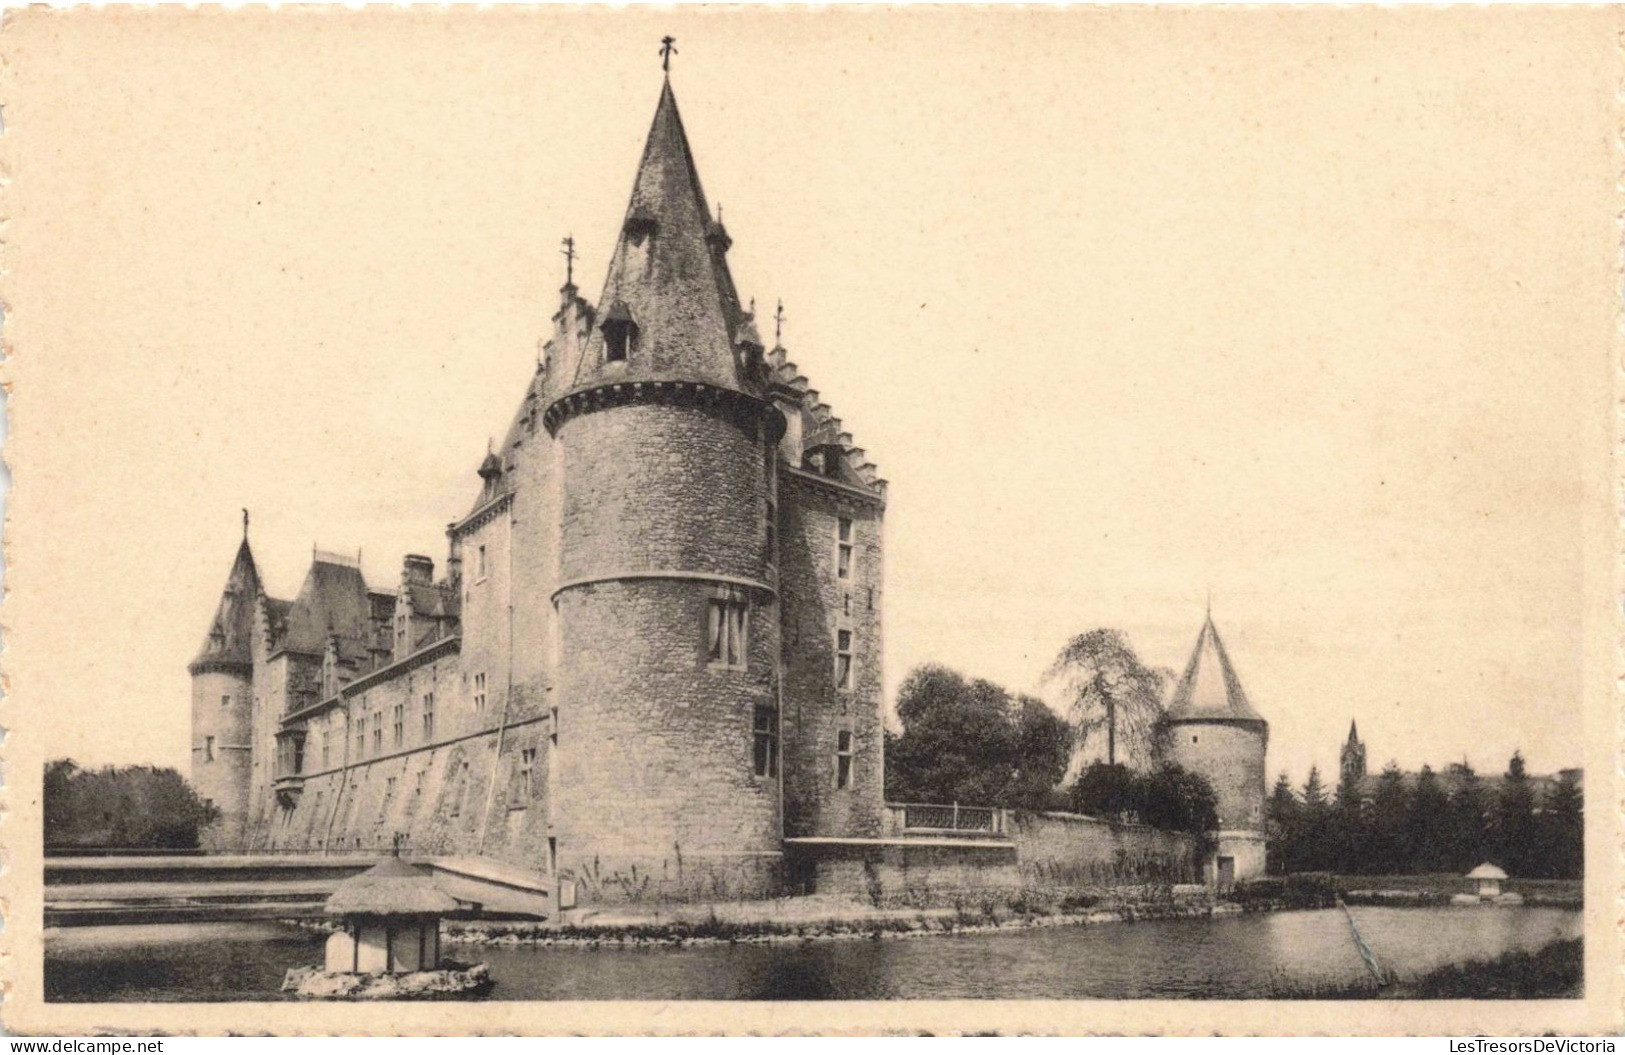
(668, 632)
(222, 705)
(1215, 732)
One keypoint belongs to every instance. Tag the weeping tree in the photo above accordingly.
(1111, 694)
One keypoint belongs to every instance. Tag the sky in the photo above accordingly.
(1306, 310)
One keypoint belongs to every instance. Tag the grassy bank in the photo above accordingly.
(815, 918)
(1554, 972)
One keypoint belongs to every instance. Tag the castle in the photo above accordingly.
(650, 665)
(652, 654)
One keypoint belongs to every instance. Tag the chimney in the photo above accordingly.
(418, 570)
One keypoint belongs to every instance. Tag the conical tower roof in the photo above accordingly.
(669, 275)
(229, 641)
(1209, 688)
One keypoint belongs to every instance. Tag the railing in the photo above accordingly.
(921, 817)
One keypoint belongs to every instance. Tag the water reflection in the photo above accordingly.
(1230, 958)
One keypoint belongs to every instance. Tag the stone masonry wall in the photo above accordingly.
(657, 794)
(1231, 757)
(221, 750)
(818, 603)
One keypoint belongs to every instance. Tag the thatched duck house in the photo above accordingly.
(390, 921)
(1489, 879)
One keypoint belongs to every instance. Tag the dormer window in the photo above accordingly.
(620, 333)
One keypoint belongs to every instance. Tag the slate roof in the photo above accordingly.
(672, 281)
(1209, 688)
(230, 637)
(333, 600)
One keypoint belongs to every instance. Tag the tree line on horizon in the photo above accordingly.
(121, 807)
(1433, 823)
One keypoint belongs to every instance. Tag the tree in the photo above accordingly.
(1515, 836)
(1383, 833)
(1175, 799)
(1104, 790)
(1169, 797)
(1315, 845)
(1425, 837)
(1466, 834)
(1562, 823)
(971, 742)
(144, 807)
(1283, 823)
(1110, 693)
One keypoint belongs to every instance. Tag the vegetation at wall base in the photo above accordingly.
(121, 807)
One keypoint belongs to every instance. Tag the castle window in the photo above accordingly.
(389, 795)
(325, 751)
(225, 701)
(479, 693)
(843, 758)
(772, 532)
(428, 716)
(527, 764)
(208, 749)
(728, 620)
(398, 728)
(479, 564)
(378, 734)
(462, 790)
(843, 548)
(361, 736)
(553, 726)
(620, 333)
(843, 659)
(765, 736)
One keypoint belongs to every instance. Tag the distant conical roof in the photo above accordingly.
(230, 638)
(1354, 733)
(669, 273)
(1209, 688)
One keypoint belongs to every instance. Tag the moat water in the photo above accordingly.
(1235, 957)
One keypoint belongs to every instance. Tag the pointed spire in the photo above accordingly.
(668, 276)
(229, 641)
(1209, 688)
(1354, 733)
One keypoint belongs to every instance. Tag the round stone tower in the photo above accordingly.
(667, 720)
(1215, 732)
(222, 705)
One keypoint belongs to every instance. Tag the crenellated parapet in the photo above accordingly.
(824, 446)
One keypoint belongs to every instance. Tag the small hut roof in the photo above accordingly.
(1486, 871)
(390, 888)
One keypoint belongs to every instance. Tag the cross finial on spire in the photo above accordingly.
(1210, 604)
(569, 260)
(753, 307)
(778, 323)
(667, 50)
(245, 525)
